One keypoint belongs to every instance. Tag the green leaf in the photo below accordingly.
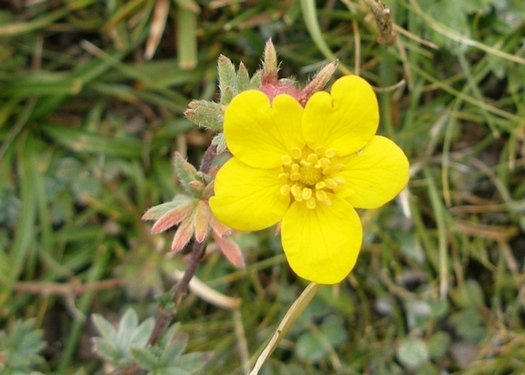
(169, 371)
(42, 83)
(469, 294)
(334, 329)
(243, 78)
(227, 79)
(115, 345)
(186, 38)
(310, 347)
(205, 114)
(128, 323)
(82, 141)
(191, 362)
(469, 324)
(104, 327)
(418, 313)
(413, 353)
(187, 176)
(255, 81)
(439, 344)
(20, 346)
(144, 357)
(173, 346)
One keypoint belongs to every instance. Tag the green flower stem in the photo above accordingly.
(293, 313)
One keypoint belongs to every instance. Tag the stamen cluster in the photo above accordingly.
(309, 175)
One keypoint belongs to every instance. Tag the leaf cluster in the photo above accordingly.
(20, 348)
(127, 346)
(209, 114)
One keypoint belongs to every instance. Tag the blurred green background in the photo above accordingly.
(91, 112)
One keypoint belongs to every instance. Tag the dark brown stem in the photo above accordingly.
(164, 315)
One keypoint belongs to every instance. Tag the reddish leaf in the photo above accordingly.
(230, 250)
(173, 217)
(218, 228)
(201, 220)
(182, 235)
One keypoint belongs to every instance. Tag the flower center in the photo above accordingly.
(308, 175)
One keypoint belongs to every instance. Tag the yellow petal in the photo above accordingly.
(322, 244)
(259, 133)
(375, 175)
(346, 119)
(247, 198)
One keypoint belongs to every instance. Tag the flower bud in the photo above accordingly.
(318, 82)
(187, 175)
(269, 68)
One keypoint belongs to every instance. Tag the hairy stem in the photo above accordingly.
(164, 315)
(207, 158)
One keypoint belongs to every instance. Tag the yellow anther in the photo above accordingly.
(340, 180)
(308, 176)
(320, 185)
(330, 153)
(321, 195)
(311, 203)
(324, 162)
(327, 202)
(330, 183)
(306, 194)
(296, 192)
(328, 170)
(283, 177)
(296, 153)
(286, 159)
(285, 189)
(312, 158)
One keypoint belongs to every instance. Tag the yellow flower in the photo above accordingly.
(308, 168)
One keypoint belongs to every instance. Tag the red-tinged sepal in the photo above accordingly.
(174, 216)
(197, 186)
(230, 250)
(318, 82)
(218, 228)
(270, 67)
(158, 211)
(182, 235)
(201, 220)
(208, 191)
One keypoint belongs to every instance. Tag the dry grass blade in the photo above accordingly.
(293, 313)
(158, 24)
(453, 35)
(208, 294)
(383, 16)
